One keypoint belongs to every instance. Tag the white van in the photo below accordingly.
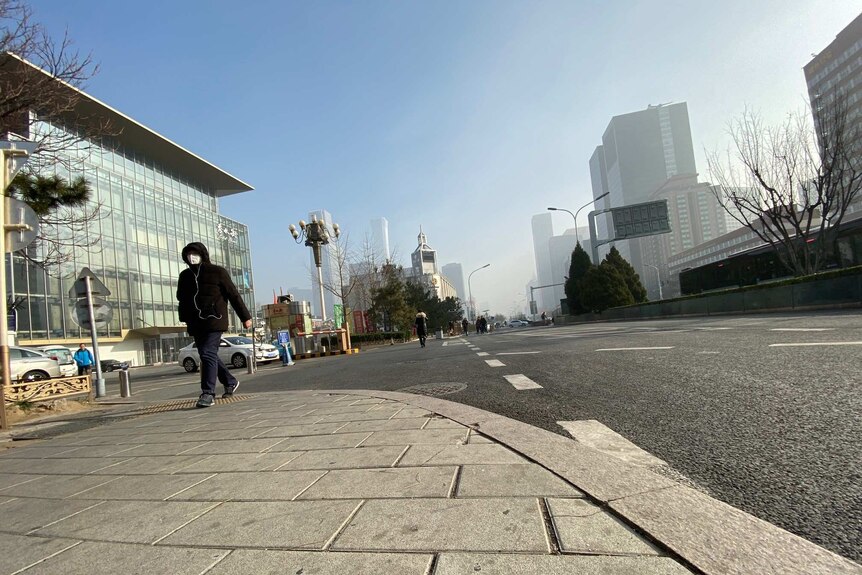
(63, 355)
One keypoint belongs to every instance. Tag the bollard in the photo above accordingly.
(125, 384)
(250, 364)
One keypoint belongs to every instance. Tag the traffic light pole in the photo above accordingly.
(4, 324)
(100, 381)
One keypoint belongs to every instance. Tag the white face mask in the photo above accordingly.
(194, 259)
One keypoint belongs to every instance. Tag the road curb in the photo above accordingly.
(707, 533)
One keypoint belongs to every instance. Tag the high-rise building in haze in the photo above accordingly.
(380, 240)
(837, 71)
(560, 249)
(329, 268)
(455, 274)
(543, 231)
(639, 152)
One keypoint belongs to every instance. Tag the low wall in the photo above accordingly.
(836, 291)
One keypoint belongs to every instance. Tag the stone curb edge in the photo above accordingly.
(710, 535)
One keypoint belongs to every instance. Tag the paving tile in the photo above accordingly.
(478, 438)
(10, 479)
(446, 524)
(370, 401)
(285, 421)
(475, 454)
(419, 436)
(316, 563)
(35, 452)
(339, 409)
(382, 483)
(18, 551)
(497, 564)
(25, 515)
(302, 430)
(348, 458)
(311, 442)
(255, 486)
(442, 423)
(150, 465)
(413, 412)
(58, 466)
(155, 449)
(55, 486)
(241, 462)
(584, 528)
(127, 521)
(512, 481)
(236, 446)
(384, 425)
(274, 524)
(364, 416)
(91, 557)
(140, 487)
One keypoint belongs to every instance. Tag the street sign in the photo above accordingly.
(24, 224)
(639, 220)
(102, 313)
(79, 288)
(533, 308)
(284, 337)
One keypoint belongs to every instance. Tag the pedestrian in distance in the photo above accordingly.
(465, 327)
(203, 291)
(284, 354)
(84, 360)
(421, 324)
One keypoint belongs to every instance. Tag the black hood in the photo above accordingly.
(199, 248)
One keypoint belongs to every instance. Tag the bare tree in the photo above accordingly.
(41, 101)
(792, 184)
(341, 285)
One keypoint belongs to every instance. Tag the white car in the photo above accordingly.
(518, 323)
(63, 355)
(233, 350)
(31, 365)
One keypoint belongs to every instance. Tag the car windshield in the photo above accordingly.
(238, 340)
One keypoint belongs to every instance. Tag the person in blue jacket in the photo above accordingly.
(84, 359)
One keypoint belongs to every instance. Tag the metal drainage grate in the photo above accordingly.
(435, 389)
(186, 404)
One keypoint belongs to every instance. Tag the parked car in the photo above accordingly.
(31, 365)
(233, 350)
(113, 364)
(63, 355)
(518, 323)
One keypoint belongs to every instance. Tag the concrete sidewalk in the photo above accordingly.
(362, 482)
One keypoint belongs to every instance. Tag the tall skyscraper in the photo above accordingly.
(455, 273)
(329, 266)
(543, 231)
(639, 152)
(380, 240)
(560, 249)
(837, 71)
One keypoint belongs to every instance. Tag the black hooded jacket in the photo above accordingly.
(203, 291)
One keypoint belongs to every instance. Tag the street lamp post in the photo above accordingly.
(316, 235)
(575, 215)
(658, 276)
(470, 287)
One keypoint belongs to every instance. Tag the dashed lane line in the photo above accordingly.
(495, 363)
(802, 329)
(633, 348)
(482, 353)
(520, 381)
(518, 352)
(813, 344)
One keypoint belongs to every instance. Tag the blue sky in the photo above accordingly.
(464, 117)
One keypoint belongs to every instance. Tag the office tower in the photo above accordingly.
(455, 274)
(543, 231)
(380, 240)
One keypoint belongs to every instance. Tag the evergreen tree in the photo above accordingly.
(47, 193)
(578, 268)
(632, 279)
(389, 305)
(604, 287)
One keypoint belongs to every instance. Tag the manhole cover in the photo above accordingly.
(435, 389)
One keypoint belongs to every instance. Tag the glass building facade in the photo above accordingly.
(148, 209)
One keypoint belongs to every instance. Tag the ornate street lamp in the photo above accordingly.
(316, 235)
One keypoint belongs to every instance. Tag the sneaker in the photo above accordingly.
(228, 392)
(205, 400)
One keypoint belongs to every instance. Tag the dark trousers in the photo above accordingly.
(85, 369)
(212, 366)
(422, 336)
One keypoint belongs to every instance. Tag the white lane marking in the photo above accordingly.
(495, 363)
(659, 332)
(712, 328)
(517, 352)
(521, 381)
(445, 343)
(802, 329)
(632, 348)
(602, 438)
(815, 344)
(482, 353)
(708, 352)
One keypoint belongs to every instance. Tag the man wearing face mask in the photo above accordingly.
(203, 290)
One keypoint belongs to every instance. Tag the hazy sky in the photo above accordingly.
(465, 117)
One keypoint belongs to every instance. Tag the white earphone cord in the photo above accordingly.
(195, 299)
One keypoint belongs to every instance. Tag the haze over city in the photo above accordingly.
(463, 118)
